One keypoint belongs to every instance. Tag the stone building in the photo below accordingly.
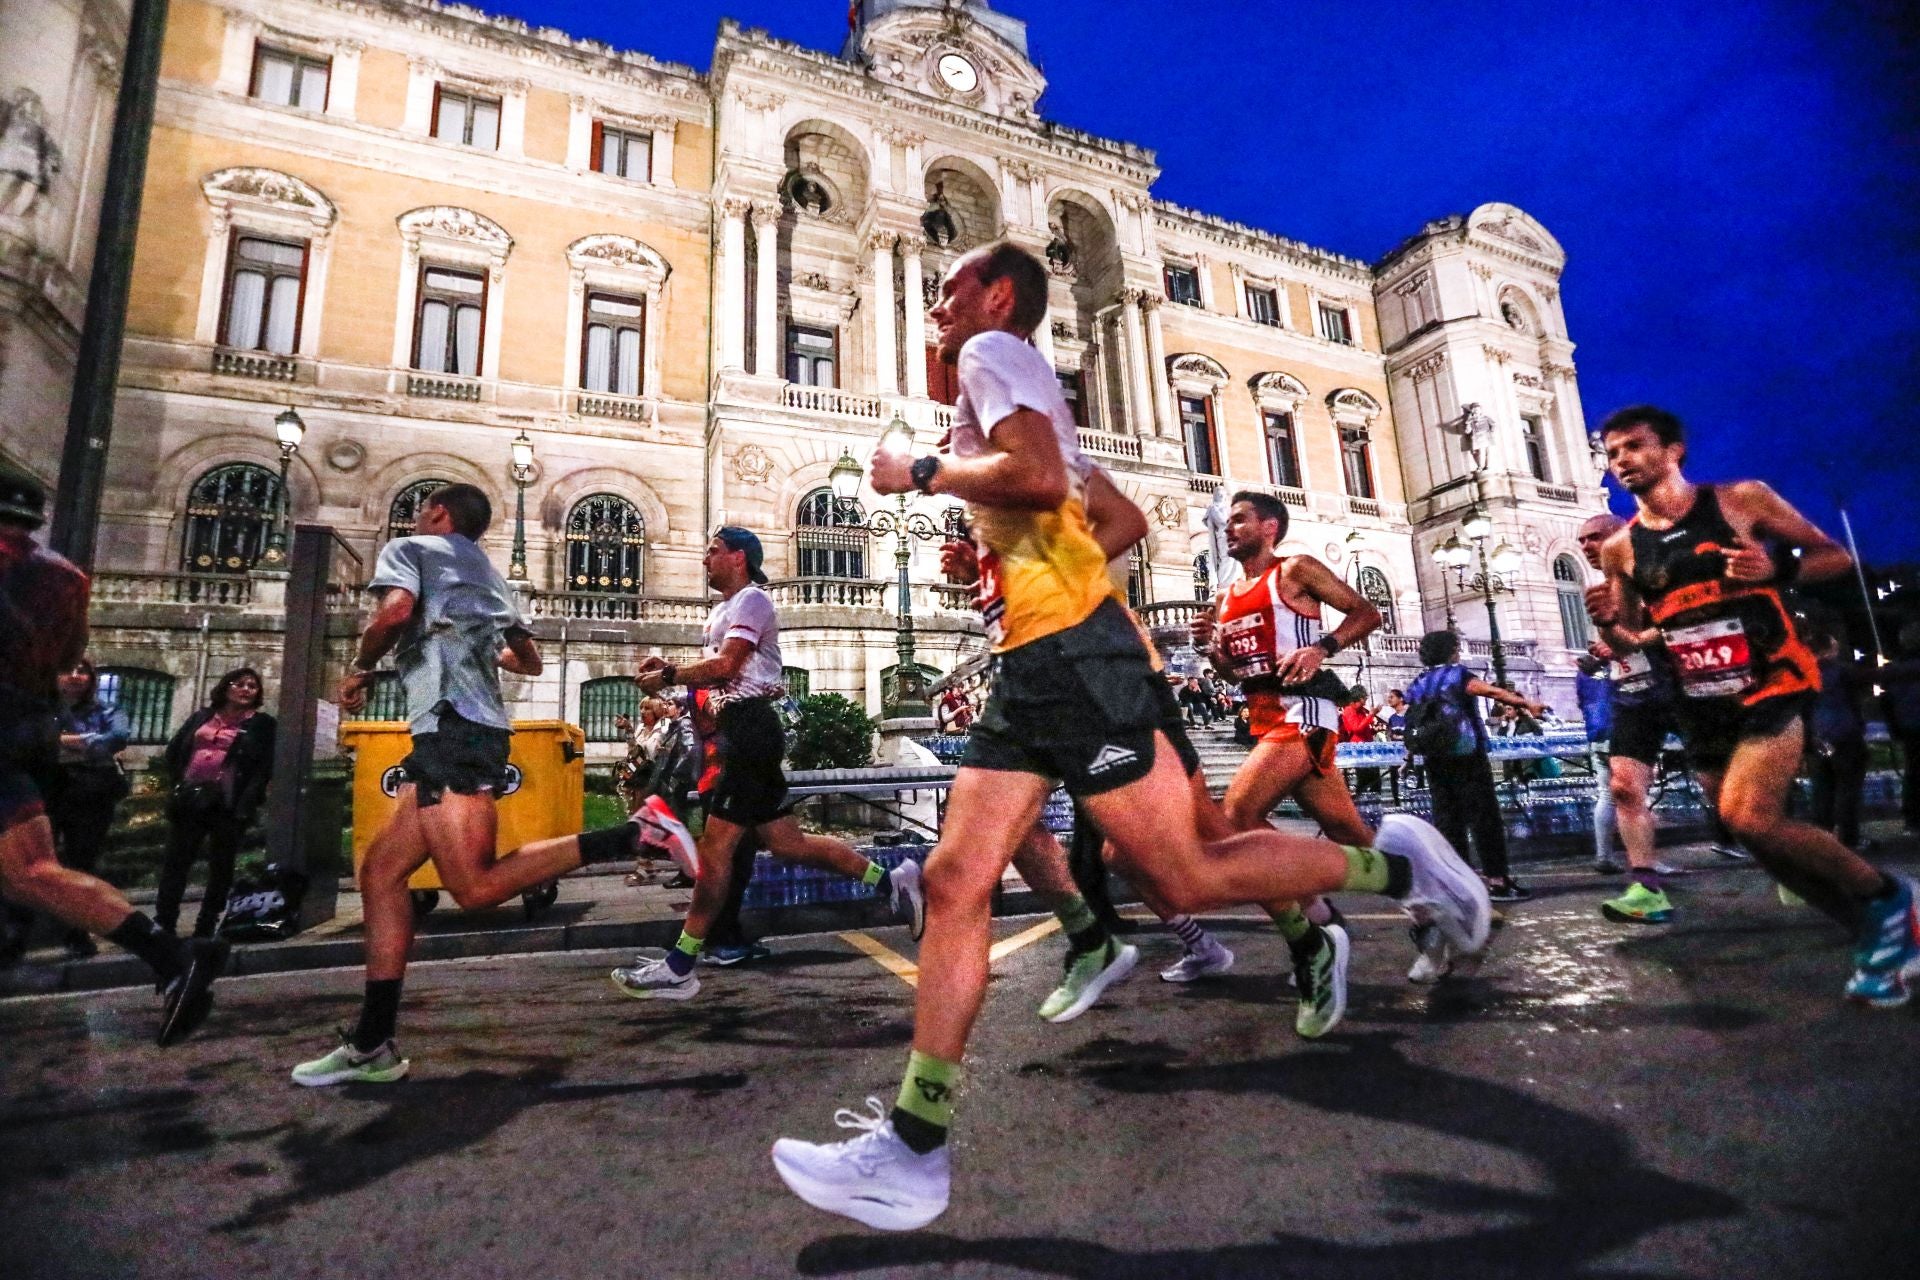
(432, 232)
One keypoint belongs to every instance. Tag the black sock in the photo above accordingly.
(160, 949)
(921, 1136)
(378, 1013)
(610, 844)
(1889, 887)
(1399, 875)
(1092, 938)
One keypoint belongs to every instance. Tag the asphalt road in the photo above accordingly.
(1692, 1101)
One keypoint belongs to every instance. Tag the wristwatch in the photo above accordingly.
(1327, 645)
(923, 471)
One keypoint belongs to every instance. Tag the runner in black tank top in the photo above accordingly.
(1704, 565)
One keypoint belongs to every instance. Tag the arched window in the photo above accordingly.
(406, 506)
(606, 546)
(230, 514)
(1373, 585)
(601, 700)
(145, 697)
(1567, 583)
(830, 540)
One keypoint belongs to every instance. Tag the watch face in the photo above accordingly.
(957, 73)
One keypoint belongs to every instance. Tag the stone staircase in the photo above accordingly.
(1220, 755)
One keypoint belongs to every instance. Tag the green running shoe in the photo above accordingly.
(347, 1065)
(1320, 976)
(1088, 974)
(1639, 905)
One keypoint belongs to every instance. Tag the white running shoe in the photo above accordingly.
(1433, 962)
(875, 1179)
(1444, 887)
(659, 829)
(1208, 959)
(909, 899)
(653, 980)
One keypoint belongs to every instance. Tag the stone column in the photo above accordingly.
(766, 286)
(1139, 395)
(1164, 422)
(916, 304)
(1043, 336)
(886, 372)
(733, 283)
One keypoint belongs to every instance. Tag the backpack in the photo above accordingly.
(1439, 721)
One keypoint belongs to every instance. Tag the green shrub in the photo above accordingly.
(833, 733)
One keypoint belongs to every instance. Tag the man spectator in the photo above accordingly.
(1901, 679)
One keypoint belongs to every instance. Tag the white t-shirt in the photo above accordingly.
(747, 615)
(1000, 374)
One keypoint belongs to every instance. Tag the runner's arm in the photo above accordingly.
(382, 633)
(1021, 469)
(1117, 522)
(718, 669)
(1362, 617)
(1481, 689)
(1768, 515)
(1615, 605)
(522, 655)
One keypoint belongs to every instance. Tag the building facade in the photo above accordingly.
(432, 232)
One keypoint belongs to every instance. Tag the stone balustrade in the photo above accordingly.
(832, 400)
(172, 588)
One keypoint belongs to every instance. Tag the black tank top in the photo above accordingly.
(1726, 638)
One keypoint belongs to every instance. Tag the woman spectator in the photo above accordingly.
(91, 784)
(220, 760)
(1357, 725)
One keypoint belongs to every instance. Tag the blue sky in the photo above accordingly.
(1737, 185)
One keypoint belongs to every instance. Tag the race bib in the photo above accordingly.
(991, 599)
(1633, 673)
(1244, 643)
(1712, 658)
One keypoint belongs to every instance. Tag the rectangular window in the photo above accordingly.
(448, 321)
(943, 379)
(1196, 420)
(622, 153)
(1283, 453)
(1138, 594)
(1263, 305)
(1356, 465)
(1183, 285)
(265, 281)
(1533, 435)
(613, 344)
(1574, 627)
(466, 119)
(813, 357)
(1070, 384)
(289, 79)
(1335, 325)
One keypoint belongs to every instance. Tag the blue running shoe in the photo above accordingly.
(1889, 951)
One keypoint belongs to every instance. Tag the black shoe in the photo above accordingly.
(80, 945)
(190, 996)
(1508, 890)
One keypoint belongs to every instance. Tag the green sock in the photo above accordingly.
(924, 1111)
(873, 875)
(1293, 923)
(1366, 869)
(1075, 915)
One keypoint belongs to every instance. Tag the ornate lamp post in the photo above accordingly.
(288, 431)
(521, 448)
(1495, 575)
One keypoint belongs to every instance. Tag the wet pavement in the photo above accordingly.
(1601, 1100)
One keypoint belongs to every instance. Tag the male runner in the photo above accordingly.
(742, 672)
(43, 632)
(1705, 564)
(1074, 697)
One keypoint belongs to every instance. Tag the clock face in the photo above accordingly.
(957, 73)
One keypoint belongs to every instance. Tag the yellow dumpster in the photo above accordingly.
(546, 789)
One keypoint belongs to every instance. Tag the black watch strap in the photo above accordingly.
(923, 471)
(1328, 645)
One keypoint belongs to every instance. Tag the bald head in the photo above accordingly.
(1594, 534)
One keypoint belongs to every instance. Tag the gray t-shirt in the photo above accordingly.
(449, 655)
(747, 615)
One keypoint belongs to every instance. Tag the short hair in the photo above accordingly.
(1664, 425)
(1266, 507)
(1613, 522)
(1437, 648)
(1005, 260)
(218, 698)
(1357, 694)
(1396, 693)
(466, 505)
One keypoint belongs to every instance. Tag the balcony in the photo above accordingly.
(1290, 496)
(263, 365)
(1200, 482)
(616, 607)
(1363, 507)
(846, 593)
(594, 404)
(833, 401)
(235, 589)
(443, 386)
(1555, 492)
(1106, 444)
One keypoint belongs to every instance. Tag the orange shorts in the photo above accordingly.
(1283, 721)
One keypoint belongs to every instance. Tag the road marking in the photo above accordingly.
(1025, 938)
(909, 972)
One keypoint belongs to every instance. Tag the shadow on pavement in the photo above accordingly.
(1602, 1198)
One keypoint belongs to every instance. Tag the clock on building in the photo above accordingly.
(957, 73)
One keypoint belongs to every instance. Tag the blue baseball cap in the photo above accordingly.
(737, 539)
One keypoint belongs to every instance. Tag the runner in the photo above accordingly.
(1705, 564)
(1075, 697)
(43, 632)
(742, 675)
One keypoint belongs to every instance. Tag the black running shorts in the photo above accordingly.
(461, 756)
(1174, 725)
(1640, 730)
(1713, 727)
(1081, 705)
(749, 741)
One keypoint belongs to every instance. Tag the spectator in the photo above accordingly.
(1396, 722)
(91, 784)
(1357, 725)
(1901, 679)
(221, 760)
(1837, 741)
(1445, 729)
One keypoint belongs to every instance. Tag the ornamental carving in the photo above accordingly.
(1529, 380)
(753, 100)
(1199, 368)
(899, 136)
(1024, 170)
(1061, 329)
(1495, 354)
(736, 207)
(1412, 286)
(1169, 513)
(1349, 403)
(1278, 386)
(462, 226)
(765, 215)
(1506, 229)
(751, 465)
(1427, 367)
(270, 188)
(623, 252)
(346, 455)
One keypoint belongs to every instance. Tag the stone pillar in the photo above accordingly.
(886, 372)
(1164, 421)
(766, 286)
(1139, 396)
(733, 283)
(1043, 337)
(916, 304)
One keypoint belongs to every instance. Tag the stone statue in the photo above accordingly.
(1221, 567)
(29, 160)
(1476, 433)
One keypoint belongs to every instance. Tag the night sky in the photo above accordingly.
(1737, 185)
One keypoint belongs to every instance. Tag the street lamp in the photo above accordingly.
(521, 449)
(908, 688)
(844, 479)
(288, 431)
(1496, 575)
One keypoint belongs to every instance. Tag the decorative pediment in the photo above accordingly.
(1278, 388)
(1503, 222)
(268, 191)
(1351, 405)
(618, 253)
(1194, 367)
(450, 226)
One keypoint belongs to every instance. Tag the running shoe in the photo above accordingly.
(1088, 974)
(1320, 976)
(1788, 898)
(1662, 868)
(1607, 866)
(1732, 853)
(1888, 952)
(1207, 960)
(1639, 905)
(653, 980)
(660, 829)
(1507, 890)
(875, 1179)
(1433, 963)
(189, 997)
(1444, 889)
(745, 953)
(909, 899)
(347, 1065)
